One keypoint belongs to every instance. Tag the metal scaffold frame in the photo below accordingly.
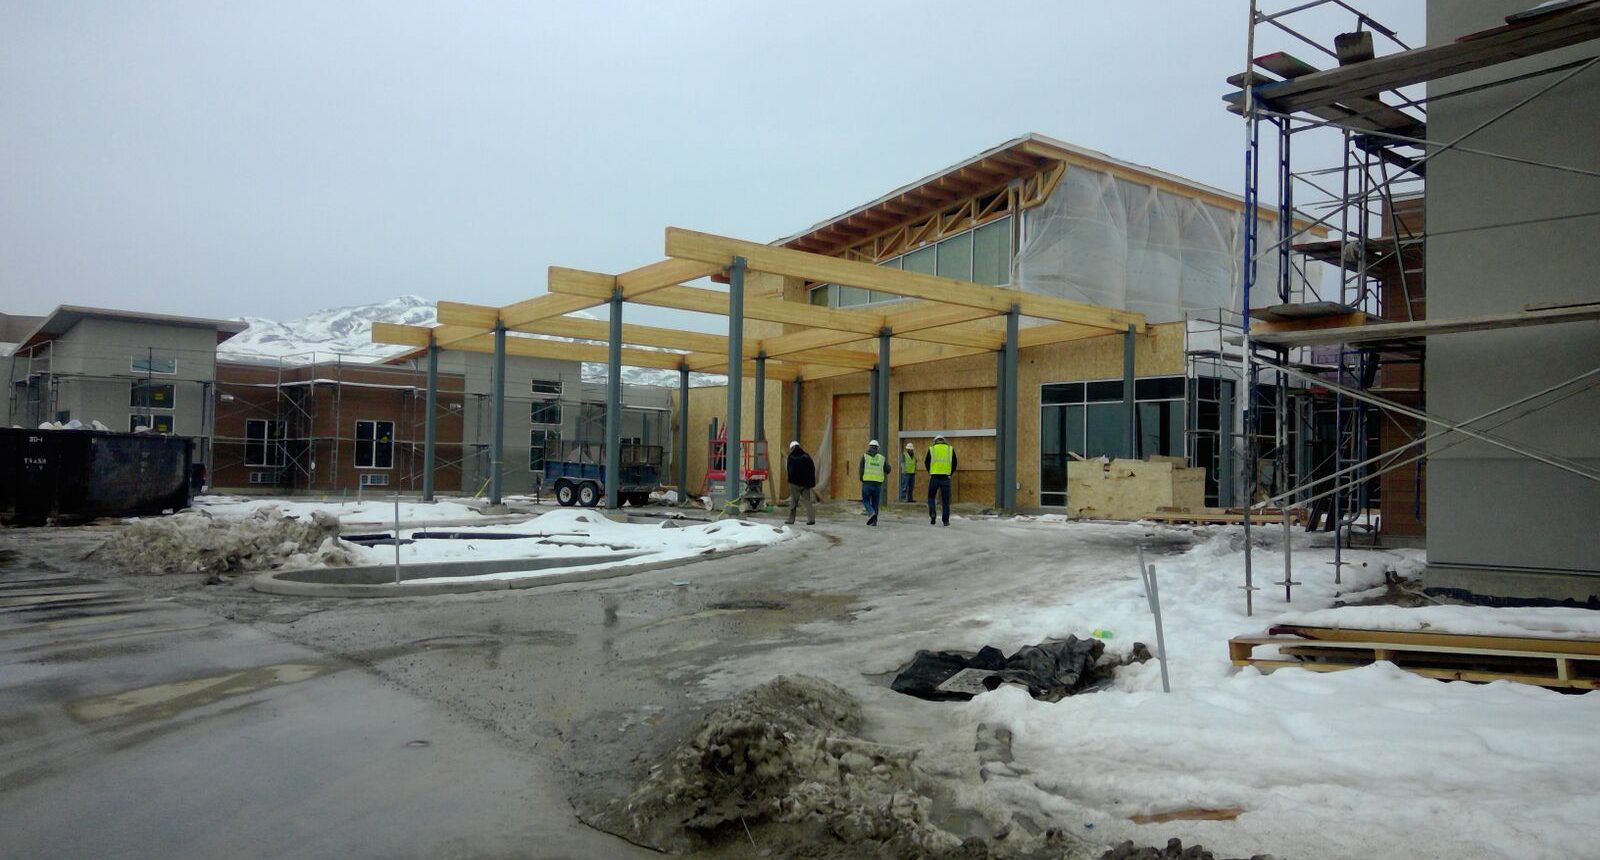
(1384, 156)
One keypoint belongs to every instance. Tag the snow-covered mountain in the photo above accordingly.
(347, 332)
(335, 331)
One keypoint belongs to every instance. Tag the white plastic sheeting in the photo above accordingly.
(1121, 244)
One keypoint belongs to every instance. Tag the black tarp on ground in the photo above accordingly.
(1051, 671)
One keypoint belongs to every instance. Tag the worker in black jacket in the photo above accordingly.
(802, 474)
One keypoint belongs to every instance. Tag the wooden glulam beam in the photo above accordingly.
(776, 370)
(707, 301)
(688, 244)
(532, 347)
(1043, 335)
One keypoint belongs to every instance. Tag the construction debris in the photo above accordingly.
(1556, 663)
(196, 542)
(1050, 671)
(1173, 851)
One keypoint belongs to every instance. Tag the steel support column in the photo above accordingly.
(431, 421)
(999, 428)
(882, 418)
(497, 435)
(1009, 442)
(614, 401)
(872, 403)
(1132, 413)
(735, 488)
(681, 459)
(760, 431)
(794, 409)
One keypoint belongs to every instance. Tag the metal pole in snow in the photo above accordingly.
(1153, 593)
(396, 538)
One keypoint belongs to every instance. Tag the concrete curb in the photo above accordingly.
(274, 582)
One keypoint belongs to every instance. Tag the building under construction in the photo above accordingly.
(1467, 410)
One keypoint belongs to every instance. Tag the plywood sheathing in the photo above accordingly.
(968, 382)
(1131, 489)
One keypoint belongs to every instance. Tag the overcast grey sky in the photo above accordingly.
(270, 159)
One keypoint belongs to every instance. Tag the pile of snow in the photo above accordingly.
(1555, 622)
(368, 512)
(783, 765)
(196, 542)
(569, 532)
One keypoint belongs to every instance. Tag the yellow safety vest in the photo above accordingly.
(908, 463)
(872, 469)
(940, 457)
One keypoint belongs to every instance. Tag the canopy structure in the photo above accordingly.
(946, 318)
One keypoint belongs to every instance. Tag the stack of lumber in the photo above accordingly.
(1221, 516)
(1557, 663)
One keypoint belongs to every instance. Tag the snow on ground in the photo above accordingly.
(1554, 622)
(374, 511)
(1371, 763)
(569, 533)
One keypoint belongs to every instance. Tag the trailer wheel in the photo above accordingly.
(588, 495)
(566, 494)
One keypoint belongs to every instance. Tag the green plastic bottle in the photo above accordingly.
(1102, 633)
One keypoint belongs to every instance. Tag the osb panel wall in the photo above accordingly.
(969, 384)
(712, 402)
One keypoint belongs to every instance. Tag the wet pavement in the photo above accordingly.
(152, 714)
(135, 726)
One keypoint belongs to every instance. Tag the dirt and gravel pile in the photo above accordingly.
(782, 768)
(197, 542)
(1173, 851)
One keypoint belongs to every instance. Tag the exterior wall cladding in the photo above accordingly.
(94, 368)
(1504, 236)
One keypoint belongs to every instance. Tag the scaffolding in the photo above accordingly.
(1367, 104)
(302, 396)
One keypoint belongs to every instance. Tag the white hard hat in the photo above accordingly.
(793, 445)
(910, 447)
(938, 438)
(873, 443)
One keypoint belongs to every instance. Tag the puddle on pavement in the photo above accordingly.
(748, 603)
(61, 598)
(162, 701)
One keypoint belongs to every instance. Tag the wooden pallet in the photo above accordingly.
(1557, 663)
(1221, 516)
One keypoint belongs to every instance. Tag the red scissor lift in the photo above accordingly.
(753, 469)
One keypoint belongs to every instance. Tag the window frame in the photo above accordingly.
(552, 433)
(1064, 398)
(374, 442)
(133, 390)
(133, 366)
(267, 442)
(152, 418)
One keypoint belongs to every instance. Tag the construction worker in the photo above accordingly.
(802, 473)
(908, 473)
(941, 463)
(873, 469)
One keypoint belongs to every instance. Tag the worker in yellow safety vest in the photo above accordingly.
(873, 470)
(941, 463)
(908, 473)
